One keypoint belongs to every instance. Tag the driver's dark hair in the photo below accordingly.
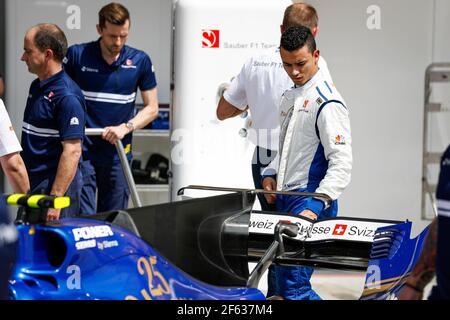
(295, 38)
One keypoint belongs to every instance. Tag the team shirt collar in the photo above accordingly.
(51, 80)
(310, 83)
(116, 63)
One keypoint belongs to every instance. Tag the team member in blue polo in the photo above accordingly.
(54, 120)
(109, 74)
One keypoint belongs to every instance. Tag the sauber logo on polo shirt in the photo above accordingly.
(50, 95)
(128, 64)
(339, 229)
(210, 38)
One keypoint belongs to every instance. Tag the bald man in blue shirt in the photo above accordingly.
(54, 120)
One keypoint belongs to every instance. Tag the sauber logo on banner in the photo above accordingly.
(339, 229)
(210, 38)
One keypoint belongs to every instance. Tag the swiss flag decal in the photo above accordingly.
(339, 229)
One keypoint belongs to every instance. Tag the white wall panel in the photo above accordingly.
(206, 151)
(380, 73)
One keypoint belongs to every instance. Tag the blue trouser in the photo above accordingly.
(43, 184)
(293, 283)
(109, 181)
(261, 159)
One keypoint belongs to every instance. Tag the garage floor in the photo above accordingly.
(338, 285)
(331, 284)
(335, 284)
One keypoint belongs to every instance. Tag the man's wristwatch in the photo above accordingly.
(130, 125)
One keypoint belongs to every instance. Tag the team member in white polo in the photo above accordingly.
(259, 85)
(14, 168)
(10, 159)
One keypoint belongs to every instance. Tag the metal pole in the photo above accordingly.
(324, 197)
(128, 175)
(125, 165)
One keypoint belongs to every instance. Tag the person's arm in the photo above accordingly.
(424, 269)
(148, 86)
(268, 176)
(233, 101)
(11, 161)
(333, 125)
(67, 168)
(270, 184)
(14, 168)
(2, 87)
(142, 118)
(226, 110)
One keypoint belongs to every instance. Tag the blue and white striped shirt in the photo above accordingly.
(55, 112)
(109, 90)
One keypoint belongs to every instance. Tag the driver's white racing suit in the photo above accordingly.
(315, 156)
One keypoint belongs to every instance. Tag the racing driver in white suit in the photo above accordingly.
(315, 153)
